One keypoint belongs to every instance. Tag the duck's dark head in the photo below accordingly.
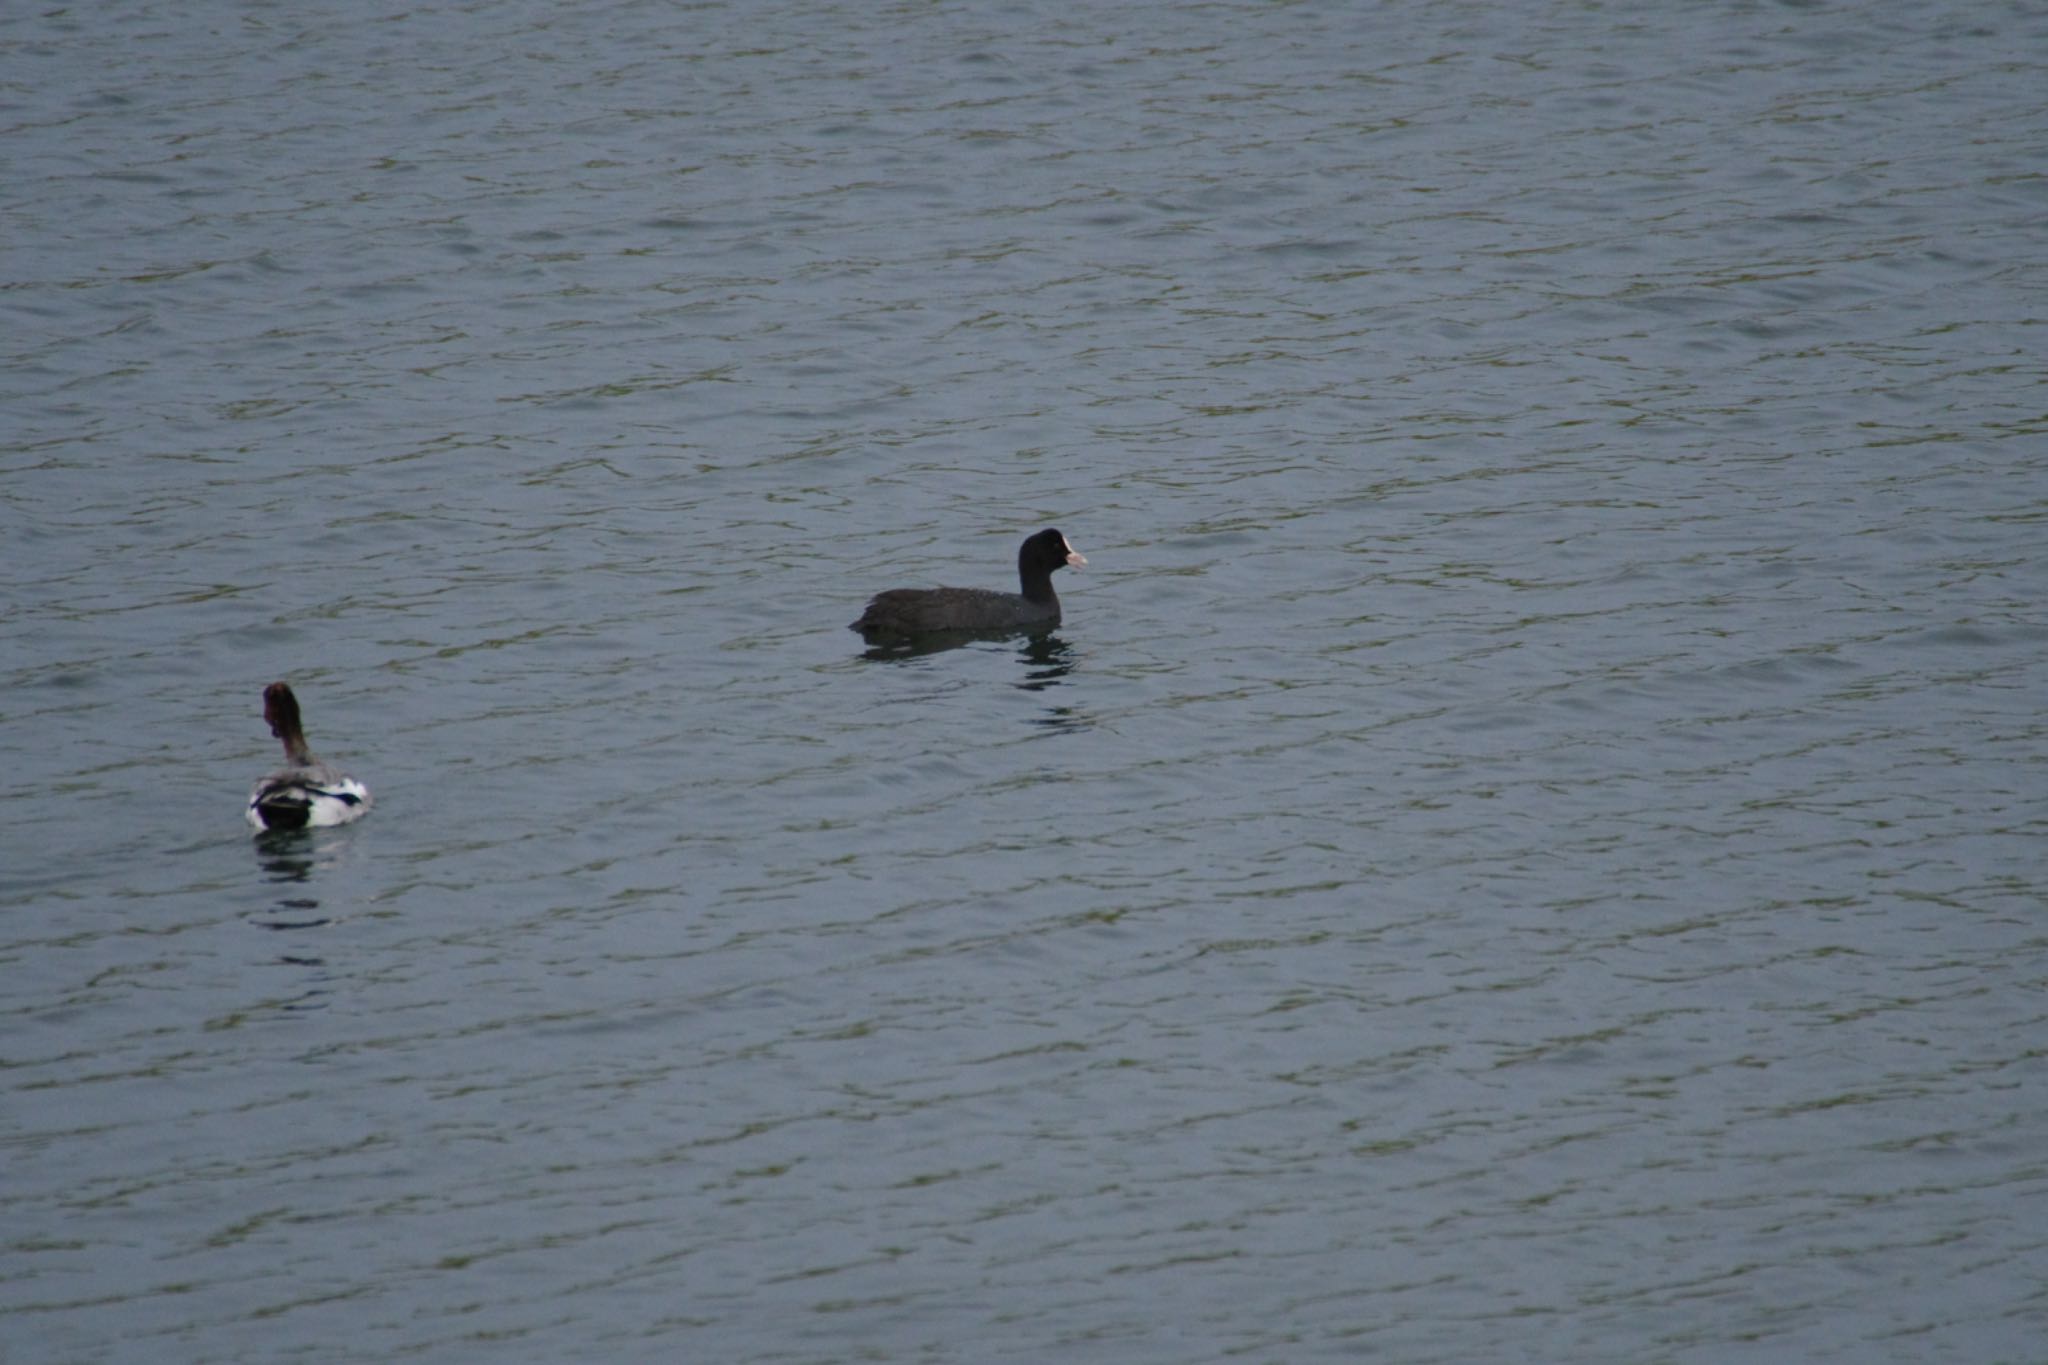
(281, 709)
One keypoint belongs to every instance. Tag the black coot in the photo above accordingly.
(906, 612)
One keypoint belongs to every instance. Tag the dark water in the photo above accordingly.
(1527, 845)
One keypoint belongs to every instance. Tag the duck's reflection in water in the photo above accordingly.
(291, 860)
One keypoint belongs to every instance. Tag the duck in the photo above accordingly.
(908, 612)
(304, 792)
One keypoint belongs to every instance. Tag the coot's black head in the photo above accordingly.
(1046, 551)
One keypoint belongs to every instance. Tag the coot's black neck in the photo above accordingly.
(1037, 581)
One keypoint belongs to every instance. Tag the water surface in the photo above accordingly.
(1527, 843)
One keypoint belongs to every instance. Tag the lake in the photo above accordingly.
(1527, 843)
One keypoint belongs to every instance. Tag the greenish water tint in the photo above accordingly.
(1526, 843)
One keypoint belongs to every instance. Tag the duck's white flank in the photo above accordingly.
(300, 800)
(305, 793)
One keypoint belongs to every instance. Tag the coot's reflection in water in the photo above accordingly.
(1041, 650)
(1047, 660)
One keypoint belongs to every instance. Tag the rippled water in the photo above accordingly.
(1528, 843)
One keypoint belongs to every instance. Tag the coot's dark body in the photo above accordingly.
(905, 613)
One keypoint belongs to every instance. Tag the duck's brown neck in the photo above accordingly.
(281, 709)
(295, 750)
